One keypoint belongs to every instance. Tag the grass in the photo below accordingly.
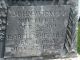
(78, 41)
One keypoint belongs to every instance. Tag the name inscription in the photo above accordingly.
(36, 29)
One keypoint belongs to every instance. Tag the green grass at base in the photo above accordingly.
(78, 41)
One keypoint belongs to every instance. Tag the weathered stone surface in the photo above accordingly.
(36, 30)
(30, 58)
(2, 27)
(1, 46)
(71, 23)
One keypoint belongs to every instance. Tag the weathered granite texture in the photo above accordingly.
(3, 18)
(36, 30)
(68, 44)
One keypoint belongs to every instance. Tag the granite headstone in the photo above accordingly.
(36, 30)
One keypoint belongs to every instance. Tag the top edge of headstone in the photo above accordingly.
(39, 2)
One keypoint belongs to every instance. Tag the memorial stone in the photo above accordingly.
(37, 29)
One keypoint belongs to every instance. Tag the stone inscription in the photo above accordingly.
(34, 30)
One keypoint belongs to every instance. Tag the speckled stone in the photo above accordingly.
(40, 34)
(11, 48)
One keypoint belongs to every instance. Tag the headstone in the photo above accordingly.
(36, 30)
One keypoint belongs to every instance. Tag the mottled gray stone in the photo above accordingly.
(12, 45)
(36, 30)
(30, 58)
(1, 58)
(1, 46)
(2, 28)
